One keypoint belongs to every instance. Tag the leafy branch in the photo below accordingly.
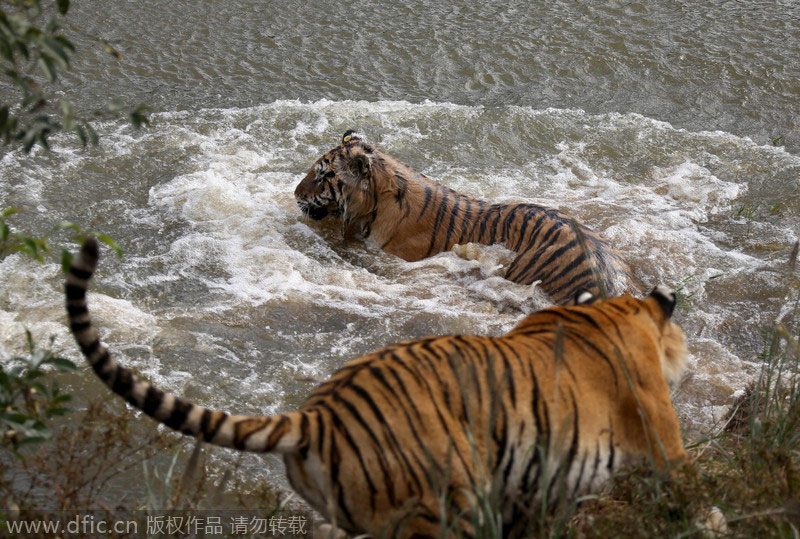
(36, 247)
(27, 400)
(33, 52)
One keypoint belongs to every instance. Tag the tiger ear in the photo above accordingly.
(665, 298)
(584, 297)
(359, 167)
(351, 136)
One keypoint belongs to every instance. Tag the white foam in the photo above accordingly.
(239, 251)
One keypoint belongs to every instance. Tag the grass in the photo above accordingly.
(114, 464)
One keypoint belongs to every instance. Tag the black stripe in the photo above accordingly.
(177, 417)
(334, 459)
(466, 220)
(555, 226)
(402, 187)
(417, 378)
(580, 475)
(341, 427)
(443, 422)
(439, 215)
(610, 463)
(534, 262)
(389, 479)
(414, 432)
(490, 211)
(82, 274)
(562, 269)
(452, 224)
(99, 366)
(428, 194)
(493, 228)
(459, 386)
(378, 446)
(321, 431)
(464, 343)
(305, 436)
(274, 436)
(434, 368)
(526, 219)
(79, 327)
(90, 349)
(213, 432)
(501, 442)
(75, 292)
(583, 280)
(152, 400)
(595, 464)
(544, 269)
(76, 310)
(509, 465)
(509, 375)
(508, 221)
(205, 419)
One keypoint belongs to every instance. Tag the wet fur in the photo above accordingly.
(390, 204)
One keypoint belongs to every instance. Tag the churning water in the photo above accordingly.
(652, 125)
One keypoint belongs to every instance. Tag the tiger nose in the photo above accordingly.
(303, 189)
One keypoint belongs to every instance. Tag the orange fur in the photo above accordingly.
(401, 437)
(409, 215)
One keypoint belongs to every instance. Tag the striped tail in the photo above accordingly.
(281, 434)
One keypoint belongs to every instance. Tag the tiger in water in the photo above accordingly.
(391, 205)
(397, 442)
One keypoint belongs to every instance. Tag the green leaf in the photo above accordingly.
(57, 411)
(33, 440)
(33, 247)
(66, 261)
(49, 67)
(94, 138)
(81, 132)
(64, 42)
(111, 243)
(57, 51)
(67, 114)
(16, 371)
(29, 339)
(63, 6)
(138, 116)
(62, 364)
(63, 397)
(16, 419)
(63, 225)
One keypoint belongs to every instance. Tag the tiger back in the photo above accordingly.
(388, 203)
(400, 442)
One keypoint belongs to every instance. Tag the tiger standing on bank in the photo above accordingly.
(388, 203)
(403, 437)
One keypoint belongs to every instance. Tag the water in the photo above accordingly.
(651, 124)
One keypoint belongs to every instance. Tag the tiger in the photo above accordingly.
(405, 213)
(550, 409)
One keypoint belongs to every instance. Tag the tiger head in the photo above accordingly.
(340, 182)
(656, 309)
